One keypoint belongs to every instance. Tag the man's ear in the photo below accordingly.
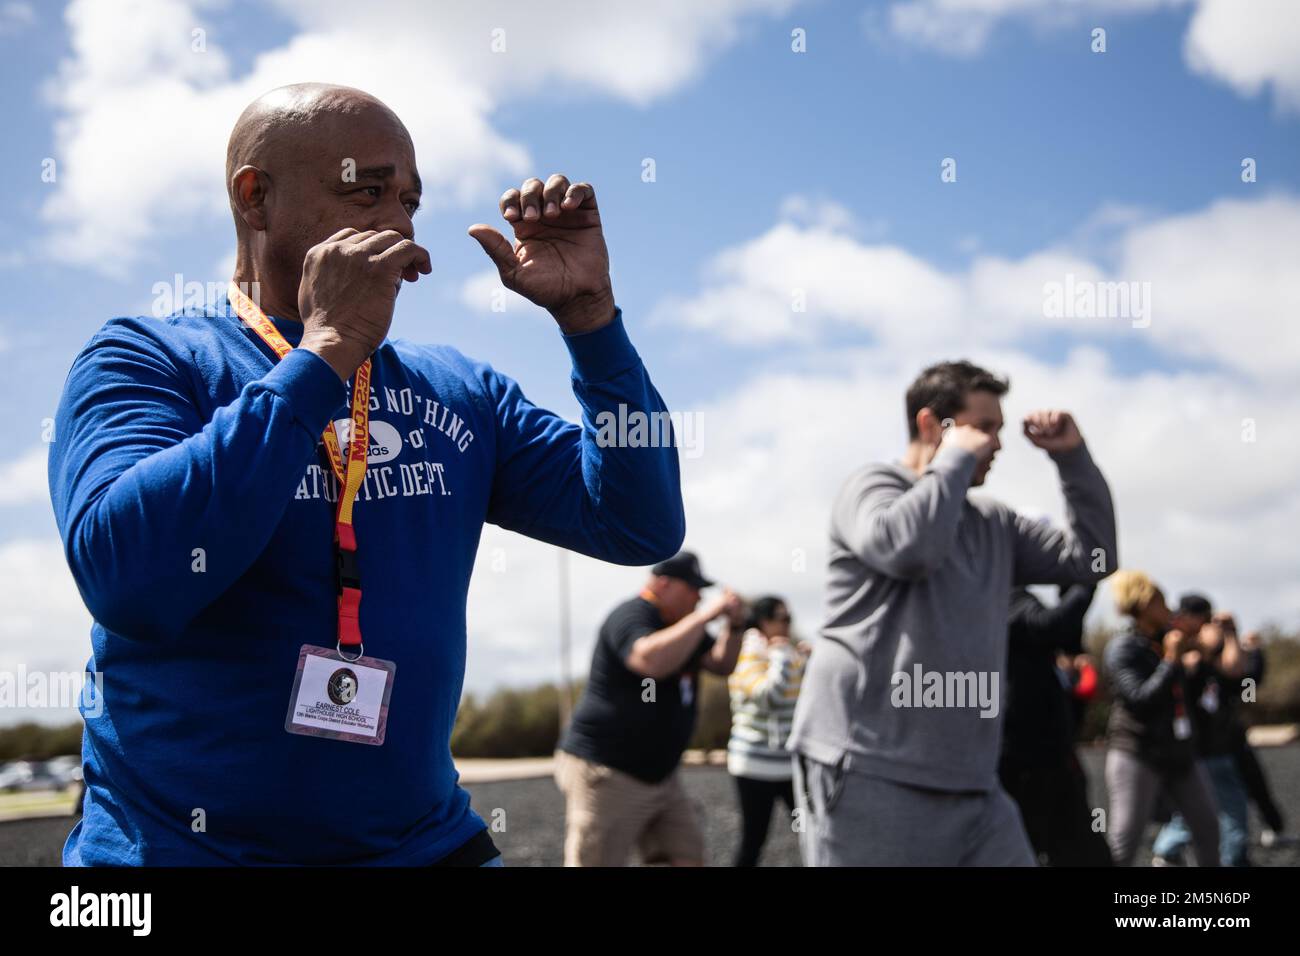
(928, 427)
(249, 187)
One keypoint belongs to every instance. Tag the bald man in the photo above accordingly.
(272, 509)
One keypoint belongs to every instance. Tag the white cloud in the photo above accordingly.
(1225, 284)
(23, 480)
(145, 117)
(1248, 46)
(45, 626)
(964, 27)
(792, 282)
(830, 215)
(1222, 287)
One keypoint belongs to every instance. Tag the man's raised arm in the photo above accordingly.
(555, 481)
(139, 480)
(1088, 552)
(560, 483)
(907, 533)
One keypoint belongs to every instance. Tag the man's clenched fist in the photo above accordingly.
(728, 603)
(558, 260)
(348, 289)
(974, 440)
(1052, 431)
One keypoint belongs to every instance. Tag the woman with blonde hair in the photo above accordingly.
(1150, 745)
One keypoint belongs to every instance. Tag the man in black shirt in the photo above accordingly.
(617, 762)
(1038, 767)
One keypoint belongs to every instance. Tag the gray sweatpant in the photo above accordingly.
(851, 819)
(1133, 786)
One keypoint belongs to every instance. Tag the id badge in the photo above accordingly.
(688, 690)
(339, 698)
(1182, 727)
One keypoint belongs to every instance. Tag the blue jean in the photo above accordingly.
(1234, 821)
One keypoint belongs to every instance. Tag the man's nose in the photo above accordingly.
(396, 218)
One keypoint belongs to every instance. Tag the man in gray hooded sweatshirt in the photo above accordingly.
(897, 731)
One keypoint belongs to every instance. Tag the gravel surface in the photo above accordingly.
(534, 818)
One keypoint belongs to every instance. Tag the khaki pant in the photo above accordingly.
(608, 812)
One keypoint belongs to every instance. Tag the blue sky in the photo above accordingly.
(1126, 162)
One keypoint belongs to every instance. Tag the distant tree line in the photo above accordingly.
(39, 741)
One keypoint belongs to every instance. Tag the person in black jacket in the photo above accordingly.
(1214, 669)
(1150, 736)
(1252, 774)
(1039, 767)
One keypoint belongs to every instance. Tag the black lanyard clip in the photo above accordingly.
(346, 572)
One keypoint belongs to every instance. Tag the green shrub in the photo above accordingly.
(39, 741)
(509, 723)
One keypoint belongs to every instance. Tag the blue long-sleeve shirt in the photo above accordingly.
(196, 511)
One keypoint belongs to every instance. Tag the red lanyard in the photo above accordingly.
(350, 474)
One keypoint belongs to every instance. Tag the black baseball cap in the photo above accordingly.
(1197, 604)
(684, 566)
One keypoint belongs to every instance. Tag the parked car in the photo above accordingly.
(47, 777)
(65, 770)
(15, 776)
